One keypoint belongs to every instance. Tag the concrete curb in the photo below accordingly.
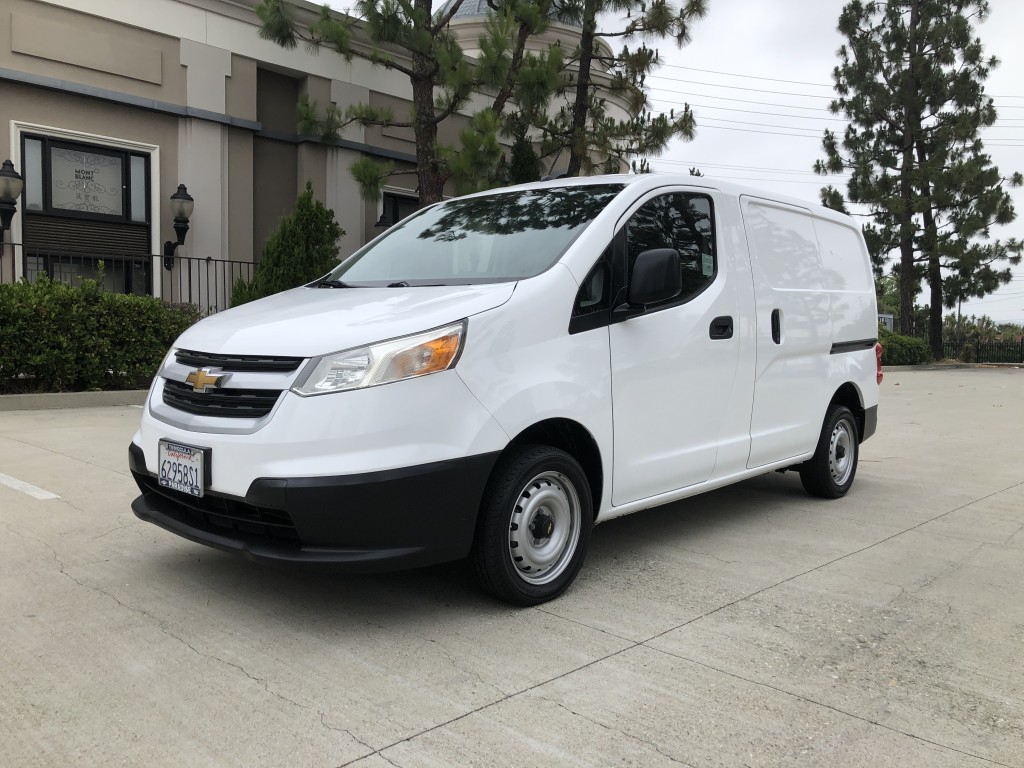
(47, 400)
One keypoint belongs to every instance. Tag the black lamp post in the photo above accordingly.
(11, 185)
(181, 209)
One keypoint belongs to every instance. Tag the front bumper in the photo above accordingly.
(374, 521)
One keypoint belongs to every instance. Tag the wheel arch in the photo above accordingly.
(576, 440)
(849, 395)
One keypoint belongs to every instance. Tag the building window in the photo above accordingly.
(86, 204)
(398, 207)
(82, 181)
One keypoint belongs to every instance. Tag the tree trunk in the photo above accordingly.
(425, 76)
(518, 53)
(908, 279)
(425, 130)
(930, 248)
(578, 149)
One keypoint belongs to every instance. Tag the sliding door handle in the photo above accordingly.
(721, 328)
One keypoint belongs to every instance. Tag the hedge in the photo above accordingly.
(55, 337)
(902, 350)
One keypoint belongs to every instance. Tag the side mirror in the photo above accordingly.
(656, 277)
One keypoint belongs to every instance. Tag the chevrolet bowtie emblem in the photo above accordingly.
(203, 379)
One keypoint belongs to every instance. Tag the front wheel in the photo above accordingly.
(830, 472)
(534, 526)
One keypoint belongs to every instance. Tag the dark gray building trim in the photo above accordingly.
(167, 108)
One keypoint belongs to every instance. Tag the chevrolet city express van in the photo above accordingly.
(498, 373)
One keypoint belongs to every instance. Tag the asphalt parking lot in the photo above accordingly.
(752, 626)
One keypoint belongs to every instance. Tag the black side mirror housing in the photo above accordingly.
(656, 277)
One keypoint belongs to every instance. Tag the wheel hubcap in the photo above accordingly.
(841, 452)
(544, 528)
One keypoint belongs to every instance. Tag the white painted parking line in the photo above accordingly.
(27, 488)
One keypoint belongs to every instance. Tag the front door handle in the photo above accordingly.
(721, 328)
(777, 326)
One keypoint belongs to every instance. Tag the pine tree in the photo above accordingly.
(435, 64)
(302, 248)
(911, 82)
(582, 125)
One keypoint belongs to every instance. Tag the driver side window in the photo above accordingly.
(682, 221)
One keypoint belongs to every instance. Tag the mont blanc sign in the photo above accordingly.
(90, 182)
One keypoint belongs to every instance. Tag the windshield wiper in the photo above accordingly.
(333, 284)
(407, 284)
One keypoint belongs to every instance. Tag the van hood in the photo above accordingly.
(307, 322)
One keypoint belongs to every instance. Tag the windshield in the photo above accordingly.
(494, 238)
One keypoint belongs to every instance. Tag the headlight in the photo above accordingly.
(394, 360)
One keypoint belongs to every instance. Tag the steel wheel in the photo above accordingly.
(841, 453)
(534, 526)
(830, 472)
(545, 528)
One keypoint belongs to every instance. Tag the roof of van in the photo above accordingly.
(647, 181)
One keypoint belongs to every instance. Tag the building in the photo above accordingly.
(110, 105)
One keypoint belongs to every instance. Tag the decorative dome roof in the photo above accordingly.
(560, 12)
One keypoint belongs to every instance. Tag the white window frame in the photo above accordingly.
(19, 128)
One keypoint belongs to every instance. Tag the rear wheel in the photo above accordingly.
(830, 472)
(534, 525)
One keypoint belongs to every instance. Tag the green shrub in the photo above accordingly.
(902, 350)
(58, 338)
(303, 248)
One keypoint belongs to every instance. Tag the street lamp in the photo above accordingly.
(11, 185)
(181, 209)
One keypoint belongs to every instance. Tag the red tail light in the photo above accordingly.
(878, 361)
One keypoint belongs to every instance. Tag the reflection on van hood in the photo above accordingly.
(306, 322)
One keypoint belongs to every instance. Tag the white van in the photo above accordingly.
(497, 373)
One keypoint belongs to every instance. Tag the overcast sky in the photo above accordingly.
(796, 41)
(749, 58)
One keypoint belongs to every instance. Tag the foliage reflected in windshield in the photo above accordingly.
(504, 236)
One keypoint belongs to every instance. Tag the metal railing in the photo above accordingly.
(984, 351)
(116, 273)
(205, 282)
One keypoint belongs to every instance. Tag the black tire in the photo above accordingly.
(830, 472)
(537, 505)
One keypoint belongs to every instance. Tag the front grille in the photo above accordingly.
(218, 514)
(248, 363)
(225, 403)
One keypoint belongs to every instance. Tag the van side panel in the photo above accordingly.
(794, 332)
(846, 277)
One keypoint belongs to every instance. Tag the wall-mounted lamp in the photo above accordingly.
(11, 185)
(181, 209)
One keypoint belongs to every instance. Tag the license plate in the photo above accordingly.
(183, 467)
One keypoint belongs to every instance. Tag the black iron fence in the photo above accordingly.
(984, 351)
(205, 282)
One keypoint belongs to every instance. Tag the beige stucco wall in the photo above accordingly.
(56, 42)
(44, 110)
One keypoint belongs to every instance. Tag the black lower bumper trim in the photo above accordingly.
(377, 521)
(870, 422)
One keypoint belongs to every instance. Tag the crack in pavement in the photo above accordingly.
(451, 660)
(830, 707)
(164, 629)
(621, 732)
